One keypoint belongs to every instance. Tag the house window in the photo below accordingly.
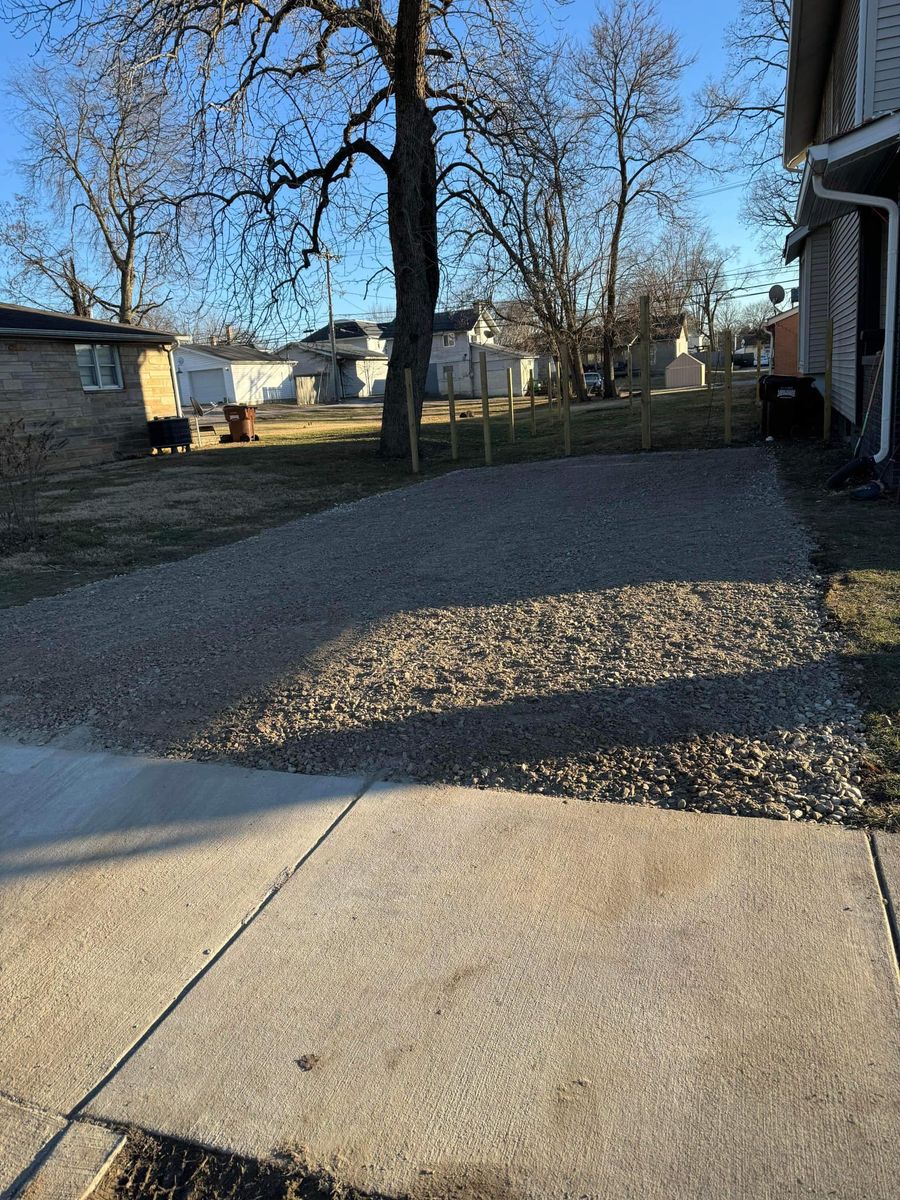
(449, 339)
(98, 366)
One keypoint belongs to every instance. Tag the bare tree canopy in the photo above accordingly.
(753, 92)
(631, 78)
(105, 160)
(298, 101)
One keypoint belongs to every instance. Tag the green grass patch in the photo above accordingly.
(858, 553)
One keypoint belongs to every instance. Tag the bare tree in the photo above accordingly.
(631, 76)
(753, 94)
(534, 205)
(300, 99)
(105, 158)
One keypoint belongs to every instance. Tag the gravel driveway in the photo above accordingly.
(644, 629)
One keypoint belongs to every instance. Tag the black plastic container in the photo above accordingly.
(170, 433)
(791, 406)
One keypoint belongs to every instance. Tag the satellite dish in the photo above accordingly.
(776, 293)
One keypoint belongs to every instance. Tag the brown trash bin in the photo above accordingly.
(241, 420)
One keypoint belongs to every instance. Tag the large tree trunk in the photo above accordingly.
(412, 226)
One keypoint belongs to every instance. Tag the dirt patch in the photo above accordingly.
(153, 1168)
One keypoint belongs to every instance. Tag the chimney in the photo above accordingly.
(229, 334)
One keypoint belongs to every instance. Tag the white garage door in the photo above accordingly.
(208, 387)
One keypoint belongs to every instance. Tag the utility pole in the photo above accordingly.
(336, 390)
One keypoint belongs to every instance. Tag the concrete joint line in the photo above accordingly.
(891, 915)
(246, 921)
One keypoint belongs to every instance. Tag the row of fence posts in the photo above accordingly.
(562, 396)
(563, 374)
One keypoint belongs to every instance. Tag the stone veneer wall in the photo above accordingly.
(39, 381)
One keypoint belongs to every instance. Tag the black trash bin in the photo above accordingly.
(791, 406)
(170, 433)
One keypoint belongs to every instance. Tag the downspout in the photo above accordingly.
(862, 44)
(178, 412)
(890, 312)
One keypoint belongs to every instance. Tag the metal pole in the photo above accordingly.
(411, 415)
(646, 440)
(451, 400)
(758, 368)
(485, 408)
(512, 405)
(531, 398)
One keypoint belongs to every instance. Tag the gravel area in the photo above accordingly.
(640, 629)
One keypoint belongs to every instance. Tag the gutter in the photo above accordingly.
(892, 209)
(8, 332)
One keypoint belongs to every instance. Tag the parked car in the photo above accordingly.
(593, 382)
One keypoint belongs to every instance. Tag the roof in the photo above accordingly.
(788, 312)
(352, 329)
(663, 328)
(234, 353)
(346, 352)
(813, 26)
(455, 320)
(21, 322)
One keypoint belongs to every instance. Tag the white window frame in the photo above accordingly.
(117, 364)
(449, 340)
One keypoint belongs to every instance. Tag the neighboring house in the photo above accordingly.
(458, 337)
(231, 374)
(99, 381)
(784, 340)
(668, 339)
(842, 126)
(361, 362)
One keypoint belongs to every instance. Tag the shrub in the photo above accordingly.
(25, 456)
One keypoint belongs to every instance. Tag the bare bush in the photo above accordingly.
(25, 456)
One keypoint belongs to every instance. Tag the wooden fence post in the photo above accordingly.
(564, 399)
(512, 405)
(411, 416)
(451, 401)
(485, 408)
(531, 399)
(726, 364)
(826, 407)
(646, 439)
(630, 376)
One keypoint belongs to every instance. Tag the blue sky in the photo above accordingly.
(702, 26)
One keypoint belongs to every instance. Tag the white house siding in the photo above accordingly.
(191, 371)
(260, 382)
(884, 81)
(814, 292)
(844, 288)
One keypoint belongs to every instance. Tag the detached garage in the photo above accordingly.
(231, 375)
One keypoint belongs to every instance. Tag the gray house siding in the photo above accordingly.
(844, 302)
(884, 87)
(815, 294)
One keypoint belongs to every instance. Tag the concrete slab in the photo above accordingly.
(119, 877)
(468, 993)
(887, 847)
(43, 1157)
(23, 1134)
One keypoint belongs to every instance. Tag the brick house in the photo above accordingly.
(100, 381)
